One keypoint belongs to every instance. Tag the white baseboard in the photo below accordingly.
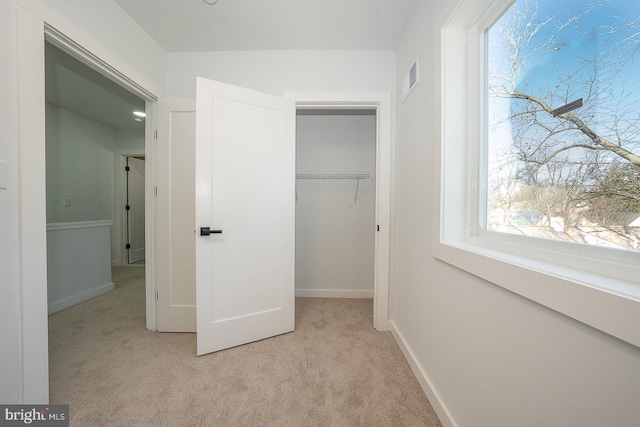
(333, 293)
(81, 297)
(432, 394)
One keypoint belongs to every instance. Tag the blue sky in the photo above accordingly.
(585, 38)
(617, 81)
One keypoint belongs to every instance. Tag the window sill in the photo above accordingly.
(606, 304)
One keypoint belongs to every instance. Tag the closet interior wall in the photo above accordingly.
(335, 215)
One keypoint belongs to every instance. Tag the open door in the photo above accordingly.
(135, 210)
(245, 215)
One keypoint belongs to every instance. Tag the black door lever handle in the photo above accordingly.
(205, 231)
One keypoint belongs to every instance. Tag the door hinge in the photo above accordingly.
(378, 227)
(127, 168)
(127, 207)
(128, 246)
(156, 295)
(155, 135)
(156, 191)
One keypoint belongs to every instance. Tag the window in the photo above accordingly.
(511, 135)
(563, 122)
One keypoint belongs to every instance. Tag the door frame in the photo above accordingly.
(132, 210)
(381, 102)
(121, 202)
(33, 31)
(82, 54)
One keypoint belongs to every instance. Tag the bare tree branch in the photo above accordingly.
(582, 127)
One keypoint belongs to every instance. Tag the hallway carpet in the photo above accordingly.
(334, 370)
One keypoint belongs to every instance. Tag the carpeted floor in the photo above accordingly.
(334, 370)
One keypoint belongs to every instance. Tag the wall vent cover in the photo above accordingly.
(411, 81)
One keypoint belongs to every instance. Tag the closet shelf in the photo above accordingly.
(332, 176)
(358, 177)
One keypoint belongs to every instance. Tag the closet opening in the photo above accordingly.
(336, 164)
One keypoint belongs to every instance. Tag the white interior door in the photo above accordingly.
(135, 213)
(245, 188)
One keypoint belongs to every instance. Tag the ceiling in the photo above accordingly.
(192, 25)
(75, 87)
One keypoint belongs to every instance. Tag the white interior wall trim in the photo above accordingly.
(34, 367)
(426, 384)
(68, 45)
(78, 224)
(382, 103)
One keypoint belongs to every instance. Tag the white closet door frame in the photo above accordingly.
(381, 102)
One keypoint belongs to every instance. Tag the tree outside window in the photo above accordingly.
(563, 121)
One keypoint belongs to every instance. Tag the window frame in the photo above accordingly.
(586, 283)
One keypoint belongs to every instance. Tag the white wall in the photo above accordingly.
(492, 357)
(78, 262)
(130, 140)
(80, 167)
(281, 71)
(334, 232)
(83, 165)
(91, 23)
(10, 390)
(109, 33)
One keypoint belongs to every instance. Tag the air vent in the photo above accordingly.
(411, 81)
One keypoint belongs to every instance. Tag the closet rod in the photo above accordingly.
(332, 176)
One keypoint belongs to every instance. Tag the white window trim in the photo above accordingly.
(582, 291)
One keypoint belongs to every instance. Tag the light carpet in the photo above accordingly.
(334, 370)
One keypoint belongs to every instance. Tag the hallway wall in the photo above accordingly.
(493, 358)
(80, 167)
(277, 72)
